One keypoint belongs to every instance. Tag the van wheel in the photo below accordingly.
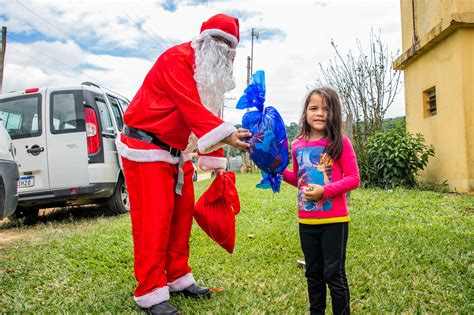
(119, 202)
(28, 214)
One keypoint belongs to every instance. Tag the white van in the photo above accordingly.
(8, 175)
(63, 139)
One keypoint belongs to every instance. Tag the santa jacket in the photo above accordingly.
(168, 105)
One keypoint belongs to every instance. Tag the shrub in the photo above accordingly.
(395, 157)
(441, 187)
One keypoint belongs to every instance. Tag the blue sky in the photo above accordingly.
(115, 43)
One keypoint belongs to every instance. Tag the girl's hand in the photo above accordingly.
(313, 192)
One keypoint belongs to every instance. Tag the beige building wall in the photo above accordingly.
(427, 15)
(441, 55)
(451, 128)
(467, 52)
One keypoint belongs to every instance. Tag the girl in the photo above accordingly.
(324, 169)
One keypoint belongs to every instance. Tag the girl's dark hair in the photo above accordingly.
(333, 123)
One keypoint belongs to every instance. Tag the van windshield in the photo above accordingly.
(21, 115)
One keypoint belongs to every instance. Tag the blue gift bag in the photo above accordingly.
(268, 144)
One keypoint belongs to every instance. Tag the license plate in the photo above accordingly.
(26, 181)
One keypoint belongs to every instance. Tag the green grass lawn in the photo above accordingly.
(408, 251)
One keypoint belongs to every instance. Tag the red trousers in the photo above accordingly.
(161, 222)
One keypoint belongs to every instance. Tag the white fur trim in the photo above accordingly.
(154, 297)
(221, 33)
(151, 155)
(207, 143)
(209, 163)
(182, 282)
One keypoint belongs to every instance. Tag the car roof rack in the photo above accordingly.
(90, 84)
(107, 90)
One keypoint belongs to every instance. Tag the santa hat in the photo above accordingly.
(224, 26)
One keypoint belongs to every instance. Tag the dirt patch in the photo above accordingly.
(48, 220)
(9, 236)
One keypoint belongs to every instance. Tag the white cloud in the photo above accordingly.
(291, 64)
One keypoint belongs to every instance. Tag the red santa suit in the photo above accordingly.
(168, 106)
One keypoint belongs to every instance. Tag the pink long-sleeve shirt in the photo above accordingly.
(311, 166)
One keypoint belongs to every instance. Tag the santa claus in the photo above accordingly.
(176, 108)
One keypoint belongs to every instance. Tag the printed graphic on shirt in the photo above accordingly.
(314, 167)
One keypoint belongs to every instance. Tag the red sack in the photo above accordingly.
(215, 211)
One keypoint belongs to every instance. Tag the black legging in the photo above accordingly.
(324, 248)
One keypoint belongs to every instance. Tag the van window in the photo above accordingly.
(21, 115)
(11, 120)
(67, 112)
(122, 103)
(114, 102)
(105, 119)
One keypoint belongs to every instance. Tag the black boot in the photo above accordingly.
(195, 292)
(162, 308)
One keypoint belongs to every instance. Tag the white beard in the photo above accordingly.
(213, 76)
(213, 73)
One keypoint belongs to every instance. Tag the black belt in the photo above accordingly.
(150, 138)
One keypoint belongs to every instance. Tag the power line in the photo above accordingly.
(74, 40)
(170, 43)
(36, 14)
(55, 27)
(56, 69)
(55, 60)
(157, 36)
(160, 46)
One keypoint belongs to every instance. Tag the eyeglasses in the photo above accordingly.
(222, 39)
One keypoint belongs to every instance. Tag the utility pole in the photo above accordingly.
(249, 70)
(227, 147)
(2, 56)
(255, 33)
(249, 75)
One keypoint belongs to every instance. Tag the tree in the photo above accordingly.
(292, 131)
(367, 86)
(392, 123)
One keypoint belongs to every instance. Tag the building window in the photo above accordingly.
(429, 100)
